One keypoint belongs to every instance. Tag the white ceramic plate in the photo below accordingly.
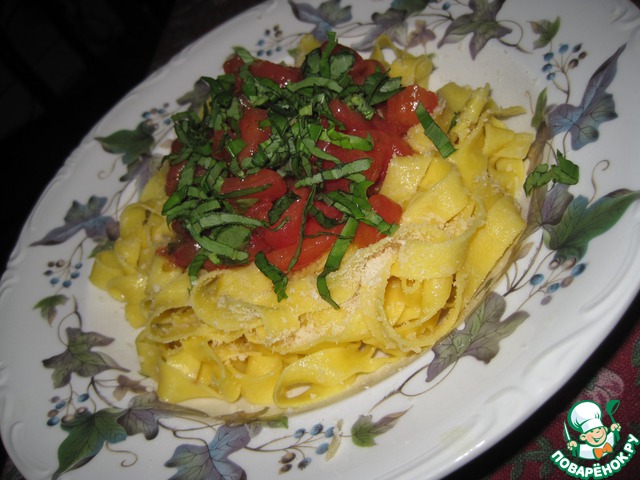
(71, 401)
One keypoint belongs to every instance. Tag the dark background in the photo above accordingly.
(65, 63)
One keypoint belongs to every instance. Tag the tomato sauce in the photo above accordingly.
(297, 238)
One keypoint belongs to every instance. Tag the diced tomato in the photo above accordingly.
(183, 249)
(259, 210)
(379, 122)
(365, 68)
(276, 185)
(253, 130)
(176, 146)
(232, 64)
(397, 146)
(173, 176)
(389, 210)
(379, 155)
(252, 127)
(338, 184)
(351, 119)
(183, 253)
(217, 146)
(257, 244)
(280, 74)
(312, 249)
(289, 232)
(400, 108)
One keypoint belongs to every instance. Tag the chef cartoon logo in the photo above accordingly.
(593, 439)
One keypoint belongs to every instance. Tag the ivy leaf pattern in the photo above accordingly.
(480, 337)
(421, 35)
(327, 16)
(79, 358)
(87, 434)
(87, 217)
(196, 97)
(130, 143)
(142, 169)
(47, 306)
(144, 412)
(482, 24)
(547, 207)
(546, 31)
(365, 430)
(392, 23)
(597, 106)
(211, 462)
(582, 222)
(126, 384)
(555, 204)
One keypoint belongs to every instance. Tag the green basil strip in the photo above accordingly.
(332, 42)
(310, 146)
(247, 191)
(235, 146)
(212, 180)
(196, 192)
(434, 132)
(321, 82)
(220, 249)
(280, 206)
(244, 55)
(207, 207)
(273, 273)
(379, 87)
(175, 206)
(346, 141)
(335, 259)
(236, 236)
(214, 248)
(187, 174)
(340, 171)
(218, 219)
(340, 65)
(350, 205)
(195, 266)
(305, 214)
(322, 219)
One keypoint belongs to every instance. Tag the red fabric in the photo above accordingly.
(612, 373)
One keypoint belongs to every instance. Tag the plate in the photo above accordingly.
(72, 403)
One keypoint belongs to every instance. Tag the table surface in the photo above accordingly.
(613, 371)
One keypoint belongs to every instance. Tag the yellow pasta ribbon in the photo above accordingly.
(228, 337)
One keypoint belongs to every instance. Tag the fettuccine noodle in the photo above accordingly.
(228, 337)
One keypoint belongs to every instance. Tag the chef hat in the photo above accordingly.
(585, 416)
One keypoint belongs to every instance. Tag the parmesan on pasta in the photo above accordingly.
(228, 336)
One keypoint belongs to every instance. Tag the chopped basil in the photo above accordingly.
(273, 273)
(335, 259)
(298, 118)
(434, 132)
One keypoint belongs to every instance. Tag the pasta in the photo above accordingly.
(213, 337)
